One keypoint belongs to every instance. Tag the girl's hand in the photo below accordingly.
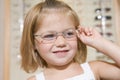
(89, 36)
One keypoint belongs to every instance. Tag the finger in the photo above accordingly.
(85, 31)
(90, 32)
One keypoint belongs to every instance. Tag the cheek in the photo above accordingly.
(74, 46)
(43, 48)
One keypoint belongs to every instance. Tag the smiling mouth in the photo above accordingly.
(61, 53)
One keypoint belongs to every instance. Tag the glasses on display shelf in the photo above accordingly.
(99, 10)
(107, 25)
(99, 17)
(109, 34)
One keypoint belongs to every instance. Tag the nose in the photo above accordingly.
(60, 41)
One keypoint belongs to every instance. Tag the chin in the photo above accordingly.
(63, 63)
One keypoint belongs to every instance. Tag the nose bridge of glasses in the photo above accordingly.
(60, 34)
(60, 39)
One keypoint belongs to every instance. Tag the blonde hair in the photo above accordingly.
(31, 59)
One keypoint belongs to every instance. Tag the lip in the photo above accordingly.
(61, 53)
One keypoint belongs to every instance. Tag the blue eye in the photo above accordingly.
(69, 33)
(48, 36)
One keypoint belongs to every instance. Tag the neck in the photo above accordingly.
(70, 70)
(67, 67)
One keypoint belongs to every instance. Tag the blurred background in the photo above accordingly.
(104, 15)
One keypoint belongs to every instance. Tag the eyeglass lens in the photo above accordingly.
(51, 36)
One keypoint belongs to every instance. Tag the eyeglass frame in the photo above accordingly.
(58, 34)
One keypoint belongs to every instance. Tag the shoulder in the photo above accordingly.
(103, 69)
(38, 76)
(31, 78)
(95, 65)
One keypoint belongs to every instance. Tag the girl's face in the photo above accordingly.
(56, 51)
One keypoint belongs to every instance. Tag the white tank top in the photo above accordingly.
(87, 75)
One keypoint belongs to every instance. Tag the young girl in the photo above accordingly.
(54, 40)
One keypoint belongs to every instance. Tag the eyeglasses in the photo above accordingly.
(51, 36)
